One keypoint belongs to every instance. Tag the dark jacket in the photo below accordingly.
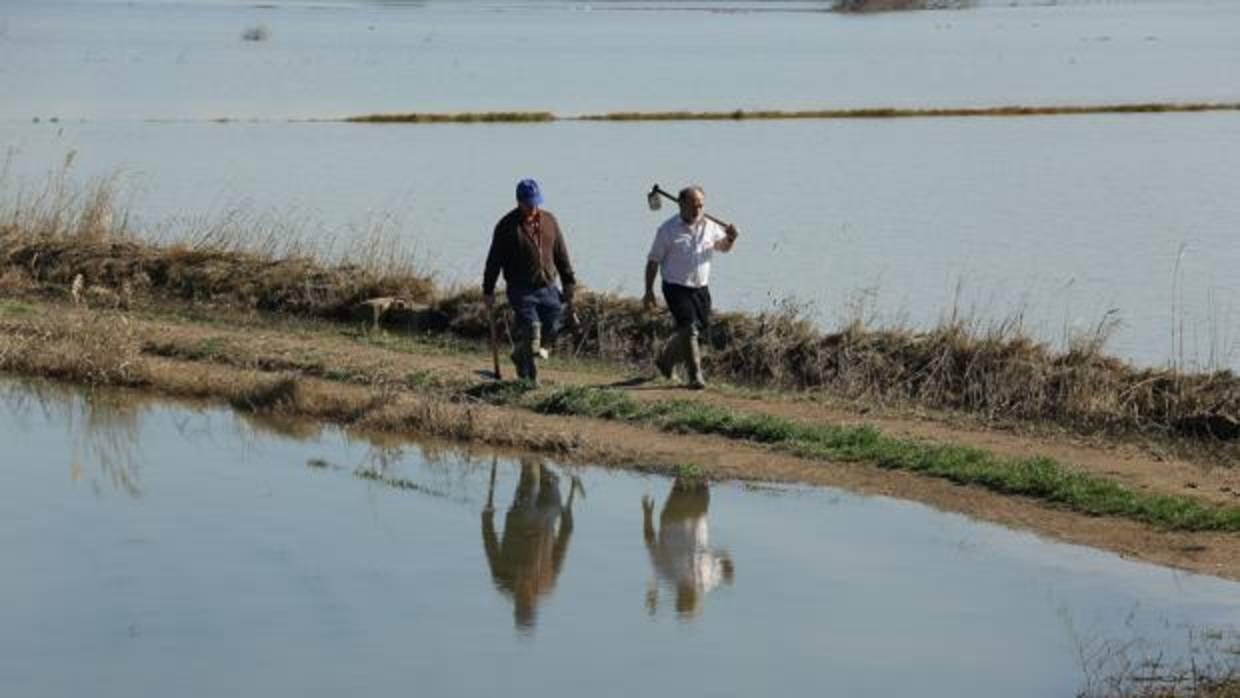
(528, 260)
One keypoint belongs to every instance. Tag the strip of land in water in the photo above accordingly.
(782, 114)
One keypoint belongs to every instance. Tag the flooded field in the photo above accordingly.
(1067, 223)
(157, 547)
(1059, 220)
(174, 59)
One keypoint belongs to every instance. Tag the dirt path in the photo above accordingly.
(1135, 466)
(337, 356)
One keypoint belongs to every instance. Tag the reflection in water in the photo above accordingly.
(275, 424)
(527, 561)
(680, 551)
(103, 427)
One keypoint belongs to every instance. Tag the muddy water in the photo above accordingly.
(162, 548)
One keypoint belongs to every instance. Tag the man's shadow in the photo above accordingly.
(526, 560)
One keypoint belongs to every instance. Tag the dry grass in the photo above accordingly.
(1139, 669)
(239, 259)
(781, 114)
(868, 6)
(101, 350)
(914, 112)
(997, 372)
(77, 243)
(488, 117)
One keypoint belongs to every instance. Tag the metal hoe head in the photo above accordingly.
(653, 200)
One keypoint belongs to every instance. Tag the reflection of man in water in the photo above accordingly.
(680, 550)
(527, 561)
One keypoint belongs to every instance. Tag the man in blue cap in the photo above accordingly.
(528, 248)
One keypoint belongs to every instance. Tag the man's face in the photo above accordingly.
(691, 206)
(527, 209)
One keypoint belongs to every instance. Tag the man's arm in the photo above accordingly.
(564, 266)
(490, 274)
(658, 251)
(652, 271)
(648, 521)
(728, 240)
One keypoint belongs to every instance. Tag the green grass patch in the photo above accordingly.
(211, 346)
(509, 392)
(16, 308)
(433, 344)
(423, 378)
(1039, 478)
(690, 474)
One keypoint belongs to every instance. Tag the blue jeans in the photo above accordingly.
(541, 305)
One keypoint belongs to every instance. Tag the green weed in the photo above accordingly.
(16, 308)
(1040, 478)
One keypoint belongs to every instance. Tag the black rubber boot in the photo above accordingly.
(669, 356)
(523, 354)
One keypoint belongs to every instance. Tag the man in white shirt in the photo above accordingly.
(682, 249)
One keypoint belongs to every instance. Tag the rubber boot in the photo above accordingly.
(697, 380)
(533, 344)
(526, 340)
(670, 355)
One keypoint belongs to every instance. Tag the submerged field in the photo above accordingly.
(969, 432)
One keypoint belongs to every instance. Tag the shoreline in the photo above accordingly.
(376, 382)
(1077, 445)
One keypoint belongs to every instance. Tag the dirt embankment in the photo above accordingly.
(994, 373)
(384, 382)
(91, 307)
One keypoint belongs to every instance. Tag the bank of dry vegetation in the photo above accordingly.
(868, 6)
(75, 243)
(1010, 110)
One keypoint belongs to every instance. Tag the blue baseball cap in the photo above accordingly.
(528, 192)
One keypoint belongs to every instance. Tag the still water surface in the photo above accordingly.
(158, 548)
(1060, 221)
(144, 59)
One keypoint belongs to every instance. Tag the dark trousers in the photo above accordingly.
(537, 305)
(690, 307)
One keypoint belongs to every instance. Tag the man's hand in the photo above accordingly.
(488, 299)
(572, 322)
(648, 300)
(732, 233)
